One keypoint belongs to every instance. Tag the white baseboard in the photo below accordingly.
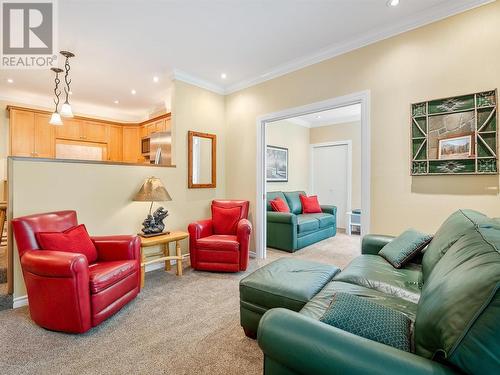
(23, 300)
(20, 302)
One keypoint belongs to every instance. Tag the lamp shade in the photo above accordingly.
(152, 190)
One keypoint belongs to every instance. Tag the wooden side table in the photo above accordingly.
(163, 255)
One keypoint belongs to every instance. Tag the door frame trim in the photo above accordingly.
(361, 97)
(347, 143)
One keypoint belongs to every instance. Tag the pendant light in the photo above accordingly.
(66, 110)
(55, 119)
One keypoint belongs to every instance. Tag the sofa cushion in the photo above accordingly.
(307, 223)
(225, 219)
(405, 247)
(368, 319)
(218, 242)
(310, 205)
(373, 271)
(325, 220)
(458, 224)
(457, 316)
(273, 195)
(73, 240)
(317, 306)
(286, 282)
(104, 274)
(293, 200)
(279, 205)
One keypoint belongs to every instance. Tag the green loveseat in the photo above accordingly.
(293, 231)
(451, 294)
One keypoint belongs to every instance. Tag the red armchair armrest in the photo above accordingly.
(200, 229)
(243, 232)
(110, 248)
(49, 263)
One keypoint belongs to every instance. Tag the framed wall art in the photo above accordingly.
(455, 135)
(276, 164)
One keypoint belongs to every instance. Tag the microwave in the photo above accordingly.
(146, 146)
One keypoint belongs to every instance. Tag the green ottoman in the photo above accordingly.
(287, 282)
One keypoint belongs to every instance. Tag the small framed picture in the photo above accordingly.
(456, 147)
(276, 164)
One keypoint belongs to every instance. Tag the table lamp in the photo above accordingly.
(152, 190)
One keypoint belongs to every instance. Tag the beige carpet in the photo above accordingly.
(177, 325)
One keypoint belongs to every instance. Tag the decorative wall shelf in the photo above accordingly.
(455, 135)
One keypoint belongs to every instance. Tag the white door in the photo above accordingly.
(330, 173)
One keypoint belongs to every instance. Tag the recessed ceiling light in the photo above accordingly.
(223, 75)
(10, 80)
(318, 117)
(393, 3)
(133, 92)
(156, 79)
(116, 101)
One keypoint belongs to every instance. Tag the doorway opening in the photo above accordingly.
(334, 164)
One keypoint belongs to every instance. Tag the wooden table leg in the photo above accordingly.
(179, 258)
(143, 267)
(166, 252)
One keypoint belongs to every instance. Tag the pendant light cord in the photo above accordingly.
(67, 67)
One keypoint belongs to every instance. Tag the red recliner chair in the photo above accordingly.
(69, 291)
(222, 242)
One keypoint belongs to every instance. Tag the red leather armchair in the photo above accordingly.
(222, 242)
(65, 292)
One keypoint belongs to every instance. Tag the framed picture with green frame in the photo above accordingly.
(456, 135)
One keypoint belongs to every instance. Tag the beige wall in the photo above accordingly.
(342, 132)
(101, 194)
(447, 58)
(296, 139)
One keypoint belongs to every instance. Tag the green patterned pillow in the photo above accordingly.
(370, 320)
(405, 247)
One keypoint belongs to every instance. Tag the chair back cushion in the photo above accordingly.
(271, 195)
(310, 205)
(26, 227)
(458, 224)
(72, 240)
(226, 214)
(458, 310)
(293, 200)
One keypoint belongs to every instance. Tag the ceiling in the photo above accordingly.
(121, 45)
(341, 115)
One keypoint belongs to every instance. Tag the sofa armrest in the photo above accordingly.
(49, 263)
(200, 229)
(307, 346)
(281, 217)
(332, 210)
(373, 243)
(110, 248)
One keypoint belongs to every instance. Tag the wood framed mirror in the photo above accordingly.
(202, 160)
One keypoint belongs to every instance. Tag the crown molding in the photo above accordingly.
(429, 16)
(182, 76)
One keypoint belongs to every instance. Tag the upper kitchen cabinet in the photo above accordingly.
(132, 145)
(115, 144)
(83, 130)
(31, 135)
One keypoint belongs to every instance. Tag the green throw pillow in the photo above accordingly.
(405, 247)
(370, 320)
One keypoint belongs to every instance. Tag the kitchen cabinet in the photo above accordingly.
(31, 135)
(132, 144)
(115, 143)
(22, 133)
(44, 137)
(94, 131)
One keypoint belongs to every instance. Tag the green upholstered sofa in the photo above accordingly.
(452, 294)
(293, 231)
